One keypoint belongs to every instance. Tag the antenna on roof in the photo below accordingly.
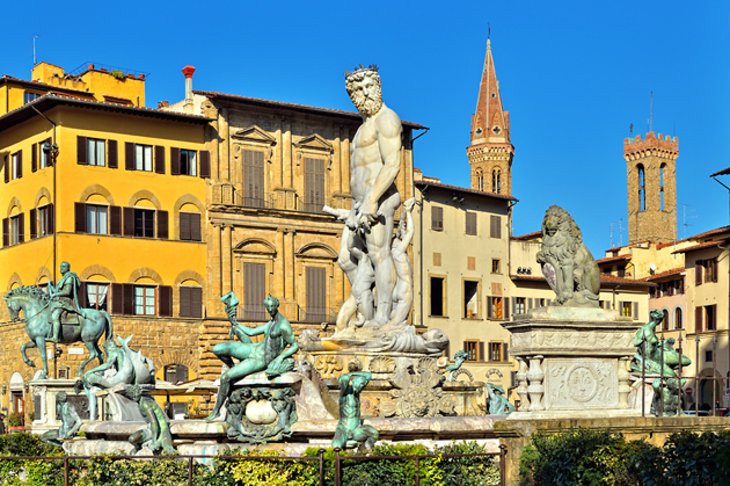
(631, 129)
(489, 30)
(35, 61)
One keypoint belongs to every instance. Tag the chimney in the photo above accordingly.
(188, 72)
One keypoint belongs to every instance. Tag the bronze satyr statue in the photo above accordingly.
(273, 354)
(70, 422)
(567, 264)
(156, 435)
(351, 432)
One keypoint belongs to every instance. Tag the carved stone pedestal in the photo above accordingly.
(573, 362)
(404, 385)
(44, 394)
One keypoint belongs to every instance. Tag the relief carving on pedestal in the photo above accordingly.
(589, 383)
(568, 340)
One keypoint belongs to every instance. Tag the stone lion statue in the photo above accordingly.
(566, 263)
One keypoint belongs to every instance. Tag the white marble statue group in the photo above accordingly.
(374, 259)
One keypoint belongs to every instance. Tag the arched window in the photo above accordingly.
(480, 180)
(176, 373)
(496, 181)
(665, 320)
(678, 318)
(642, 188)
(661, 186)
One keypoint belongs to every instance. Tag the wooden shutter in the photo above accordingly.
(195, 229)
(698, 319)
(50, 219)
(6, 165)
(316, 294)
(437, 218)
(495, 228)
(159, 159)
(113, 155)
(165, 296)
(505, 352)
(174, 161)
(313, 184)
(196, 302)
(162, 225)
(21, 227)
(33, 224)
(471, 223)
(80, 217)
(254, 290)
(698, 272)
(636, 310)
(20, 164)
(128, 299)
(83, 298)
(490, 308)
(129, 156)
(128, 221)
(6, 232)
(714, 269)
(117, 306)
(115, 220)
(184, 300)
(34, 157)
(505, 302)
(184, 224)
(82, 156)
(204, 164)
(253, 178)
(481, 356)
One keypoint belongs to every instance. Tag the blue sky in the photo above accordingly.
(574, 75)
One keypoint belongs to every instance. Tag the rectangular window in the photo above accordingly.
(519, 305)
(710, 267)
(144, 223)
(313, 185)
(472, 349)
(710, 317)
(96, 152)
(44, 155)
(698, 272)
(96, 219)
(16, 165)
(16, 229)
(96, 293)
(143, 157)
(698, 319)
(190, 227)
(471, 223)
(253, 178)
(471, 300)
(144, 301)
(254, 291)
(496, 266)
(437, 296)
(437, 218)
(191, 302)
(316, 289)
(495, 352)
(188, 162)
(626, 309)
(29, 96)
(495, 227)
(45, 220)
(495, 308)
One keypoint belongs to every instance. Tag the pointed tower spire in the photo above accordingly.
(490, 151)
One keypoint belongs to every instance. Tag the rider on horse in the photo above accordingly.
(64, 297)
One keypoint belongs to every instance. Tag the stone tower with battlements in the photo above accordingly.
(651, 165)
(490, 151)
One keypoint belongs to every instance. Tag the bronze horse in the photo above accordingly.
(35, 304)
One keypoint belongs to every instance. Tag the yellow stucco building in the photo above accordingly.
(92, 177)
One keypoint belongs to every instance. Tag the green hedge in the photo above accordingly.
(589, 457)
(169, 471)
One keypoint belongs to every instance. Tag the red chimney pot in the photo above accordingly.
(188, 71)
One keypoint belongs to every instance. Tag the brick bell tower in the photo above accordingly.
(651, 165)
(490, 151)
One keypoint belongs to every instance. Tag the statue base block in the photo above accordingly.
(403, 385)
(573, 362)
